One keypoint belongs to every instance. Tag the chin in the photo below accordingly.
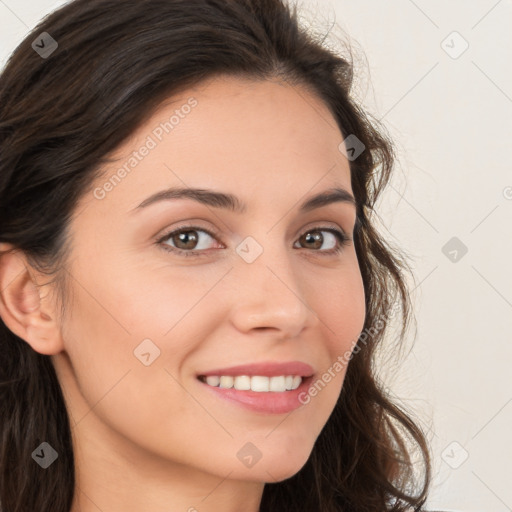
(276, 469)
(284, 474)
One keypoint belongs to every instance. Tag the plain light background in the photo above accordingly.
(438, 75)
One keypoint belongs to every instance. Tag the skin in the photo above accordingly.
(151, 437)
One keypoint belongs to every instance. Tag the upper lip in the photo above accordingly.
(265, 369)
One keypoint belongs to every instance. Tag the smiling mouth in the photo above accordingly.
(258, 383)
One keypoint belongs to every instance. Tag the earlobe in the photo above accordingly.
(22, 309)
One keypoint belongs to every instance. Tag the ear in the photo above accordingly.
(23, 309)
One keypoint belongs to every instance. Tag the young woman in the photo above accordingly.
(192, 288)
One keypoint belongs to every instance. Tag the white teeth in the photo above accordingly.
(296, 381)
(277, 384)
(257, 383)
(213, 380)
(226, 381)
(260, 383)
(243, 383)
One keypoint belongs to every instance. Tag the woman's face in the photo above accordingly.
(146, 323)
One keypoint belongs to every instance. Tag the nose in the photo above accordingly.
(270, 297)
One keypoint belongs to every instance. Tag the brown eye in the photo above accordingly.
(187, 241)
(313, 239)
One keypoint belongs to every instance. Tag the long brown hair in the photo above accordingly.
(61, 115)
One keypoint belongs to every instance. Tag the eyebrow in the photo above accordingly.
(233, 203)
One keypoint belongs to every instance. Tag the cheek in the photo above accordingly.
(98, 345)
(342, 309)
(140, 400)
(157, 299)
(340, 306)
(131, 331)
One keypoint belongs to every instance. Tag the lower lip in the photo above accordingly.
(271, 402)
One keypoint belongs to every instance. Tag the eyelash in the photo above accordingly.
(342, 238)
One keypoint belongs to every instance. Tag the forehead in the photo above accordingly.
(235, 135)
